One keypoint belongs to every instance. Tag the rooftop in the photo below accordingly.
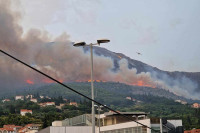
(125, 113)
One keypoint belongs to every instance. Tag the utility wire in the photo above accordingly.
(74, 90)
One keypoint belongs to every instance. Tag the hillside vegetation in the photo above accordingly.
(111, 94)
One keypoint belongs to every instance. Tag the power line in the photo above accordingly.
(74, 90)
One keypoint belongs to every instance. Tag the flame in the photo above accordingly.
(49, 81)
(119, 57)
(98, 80)
(137, 83)
(141, 83)
(29, 82)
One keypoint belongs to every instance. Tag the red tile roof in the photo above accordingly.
(25, 110)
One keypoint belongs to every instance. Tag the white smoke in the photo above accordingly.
(61, 60)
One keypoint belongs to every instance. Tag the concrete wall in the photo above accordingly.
(73, 129)
(57, 123)
(46, 130)
(176, 123)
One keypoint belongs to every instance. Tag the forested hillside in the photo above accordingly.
(111, 94)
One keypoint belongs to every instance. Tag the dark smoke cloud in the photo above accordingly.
(59, 58)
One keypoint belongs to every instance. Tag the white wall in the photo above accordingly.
(127, 125)
(57, 123)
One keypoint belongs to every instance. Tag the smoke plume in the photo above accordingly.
(59, 59)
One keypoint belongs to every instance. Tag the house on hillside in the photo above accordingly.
(33, 100)
(128, 98)
(23, 112)
(10, 129)
(47, 104)
(73, 104)
(50, 103)
(6, 100)
(19, 97)
(196, 105)
(30, 128)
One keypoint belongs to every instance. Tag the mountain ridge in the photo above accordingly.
(190, 79)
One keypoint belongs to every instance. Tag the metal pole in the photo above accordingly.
(99, 117)
(92, 90)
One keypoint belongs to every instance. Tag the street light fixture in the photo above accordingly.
(79, 44)
(103, 41)
(99, 108)
(92, 87)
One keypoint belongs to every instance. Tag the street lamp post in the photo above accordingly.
(99, 108)
(92, 87)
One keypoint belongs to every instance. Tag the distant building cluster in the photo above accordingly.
(29, 128)
(31, 98)
(109, 122)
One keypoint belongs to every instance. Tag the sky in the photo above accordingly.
(166, 32)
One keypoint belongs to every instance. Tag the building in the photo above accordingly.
(50, 103)
(192, 131)
(196, 105)
(9, 129)
(33, 100)
(19, 97)
(47, 104)
(23, 112)
(73, 103)
(128, 98)
(6, 100)
(111, 122)
(30, 128)
(41, 97)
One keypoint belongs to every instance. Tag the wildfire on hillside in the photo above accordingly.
(46, 80)
(141, 83)
(29, 81)
(49, 81)
(137, 83)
